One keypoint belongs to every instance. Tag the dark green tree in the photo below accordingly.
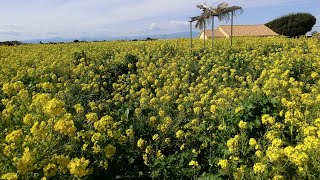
(292, 25)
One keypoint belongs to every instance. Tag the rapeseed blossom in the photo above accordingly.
(130, 133)
(278, 177)
(267, 119)
(65, 125)
(50, 170)
(193, 163)
(259, 168)
(141, 143)
(78, 167)
(223, 163)
(26, 161)
(243, 125)
(232, 143)
(104, 124)
(91, 117)
(79, 108)
(13, 136)
(54, 107)
(252, 142)
(179, 134)
(9, 176)
(110, 150)
(160, 104)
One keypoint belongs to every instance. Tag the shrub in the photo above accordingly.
(293, 25)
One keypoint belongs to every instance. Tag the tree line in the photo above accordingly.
(10, 43)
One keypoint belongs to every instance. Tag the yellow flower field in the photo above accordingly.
(160, 110)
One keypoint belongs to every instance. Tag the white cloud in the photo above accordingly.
(154, 27)
(11, 26)
(178, 23)
(10, 32)
(11, 29)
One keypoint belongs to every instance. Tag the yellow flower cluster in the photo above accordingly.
(278, 177)
(10, 176)
(110, 150)
(252, 110)
(179, 134)
(79, 108)
(259, 168)
(252, 142)
(50, 170)
(26, 161)
(193, 163)
(267, 119)
(103, 124)
(78, 167)
(223, 163)
(243, 125)
(54, 107)
(141, 143)
(65, 125)
(62, 162)
(232, 143)
(130, 133)
(92, 117)
(13, 136)
(296, 155)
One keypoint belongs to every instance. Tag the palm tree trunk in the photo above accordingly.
(212, 29)
(231, 28)
(190, 34)
(204, 33)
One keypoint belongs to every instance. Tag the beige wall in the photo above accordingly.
(202, 36)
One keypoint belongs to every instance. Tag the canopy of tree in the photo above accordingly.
(10, 43)
(292, 25)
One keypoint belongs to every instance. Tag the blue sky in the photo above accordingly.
(36, 19)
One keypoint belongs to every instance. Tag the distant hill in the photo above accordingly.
(167, 36)
(110, 38)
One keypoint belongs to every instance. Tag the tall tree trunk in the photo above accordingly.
(190, 34)
(212, 30)
(231, 28)
(204, 34)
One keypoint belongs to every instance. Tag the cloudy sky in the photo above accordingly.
(36, 19)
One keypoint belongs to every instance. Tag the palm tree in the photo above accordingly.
(211, 13)
(201, 24)
(219, 12)
(207, 13)
(222, 11)
(201, 20)
(234, 10)
(192, 19)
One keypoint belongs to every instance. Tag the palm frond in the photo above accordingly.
(222, 6)
(235, 9)
(202, 6)
(201, 22)
(227, 12)
(222, 11)
(192, 19)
